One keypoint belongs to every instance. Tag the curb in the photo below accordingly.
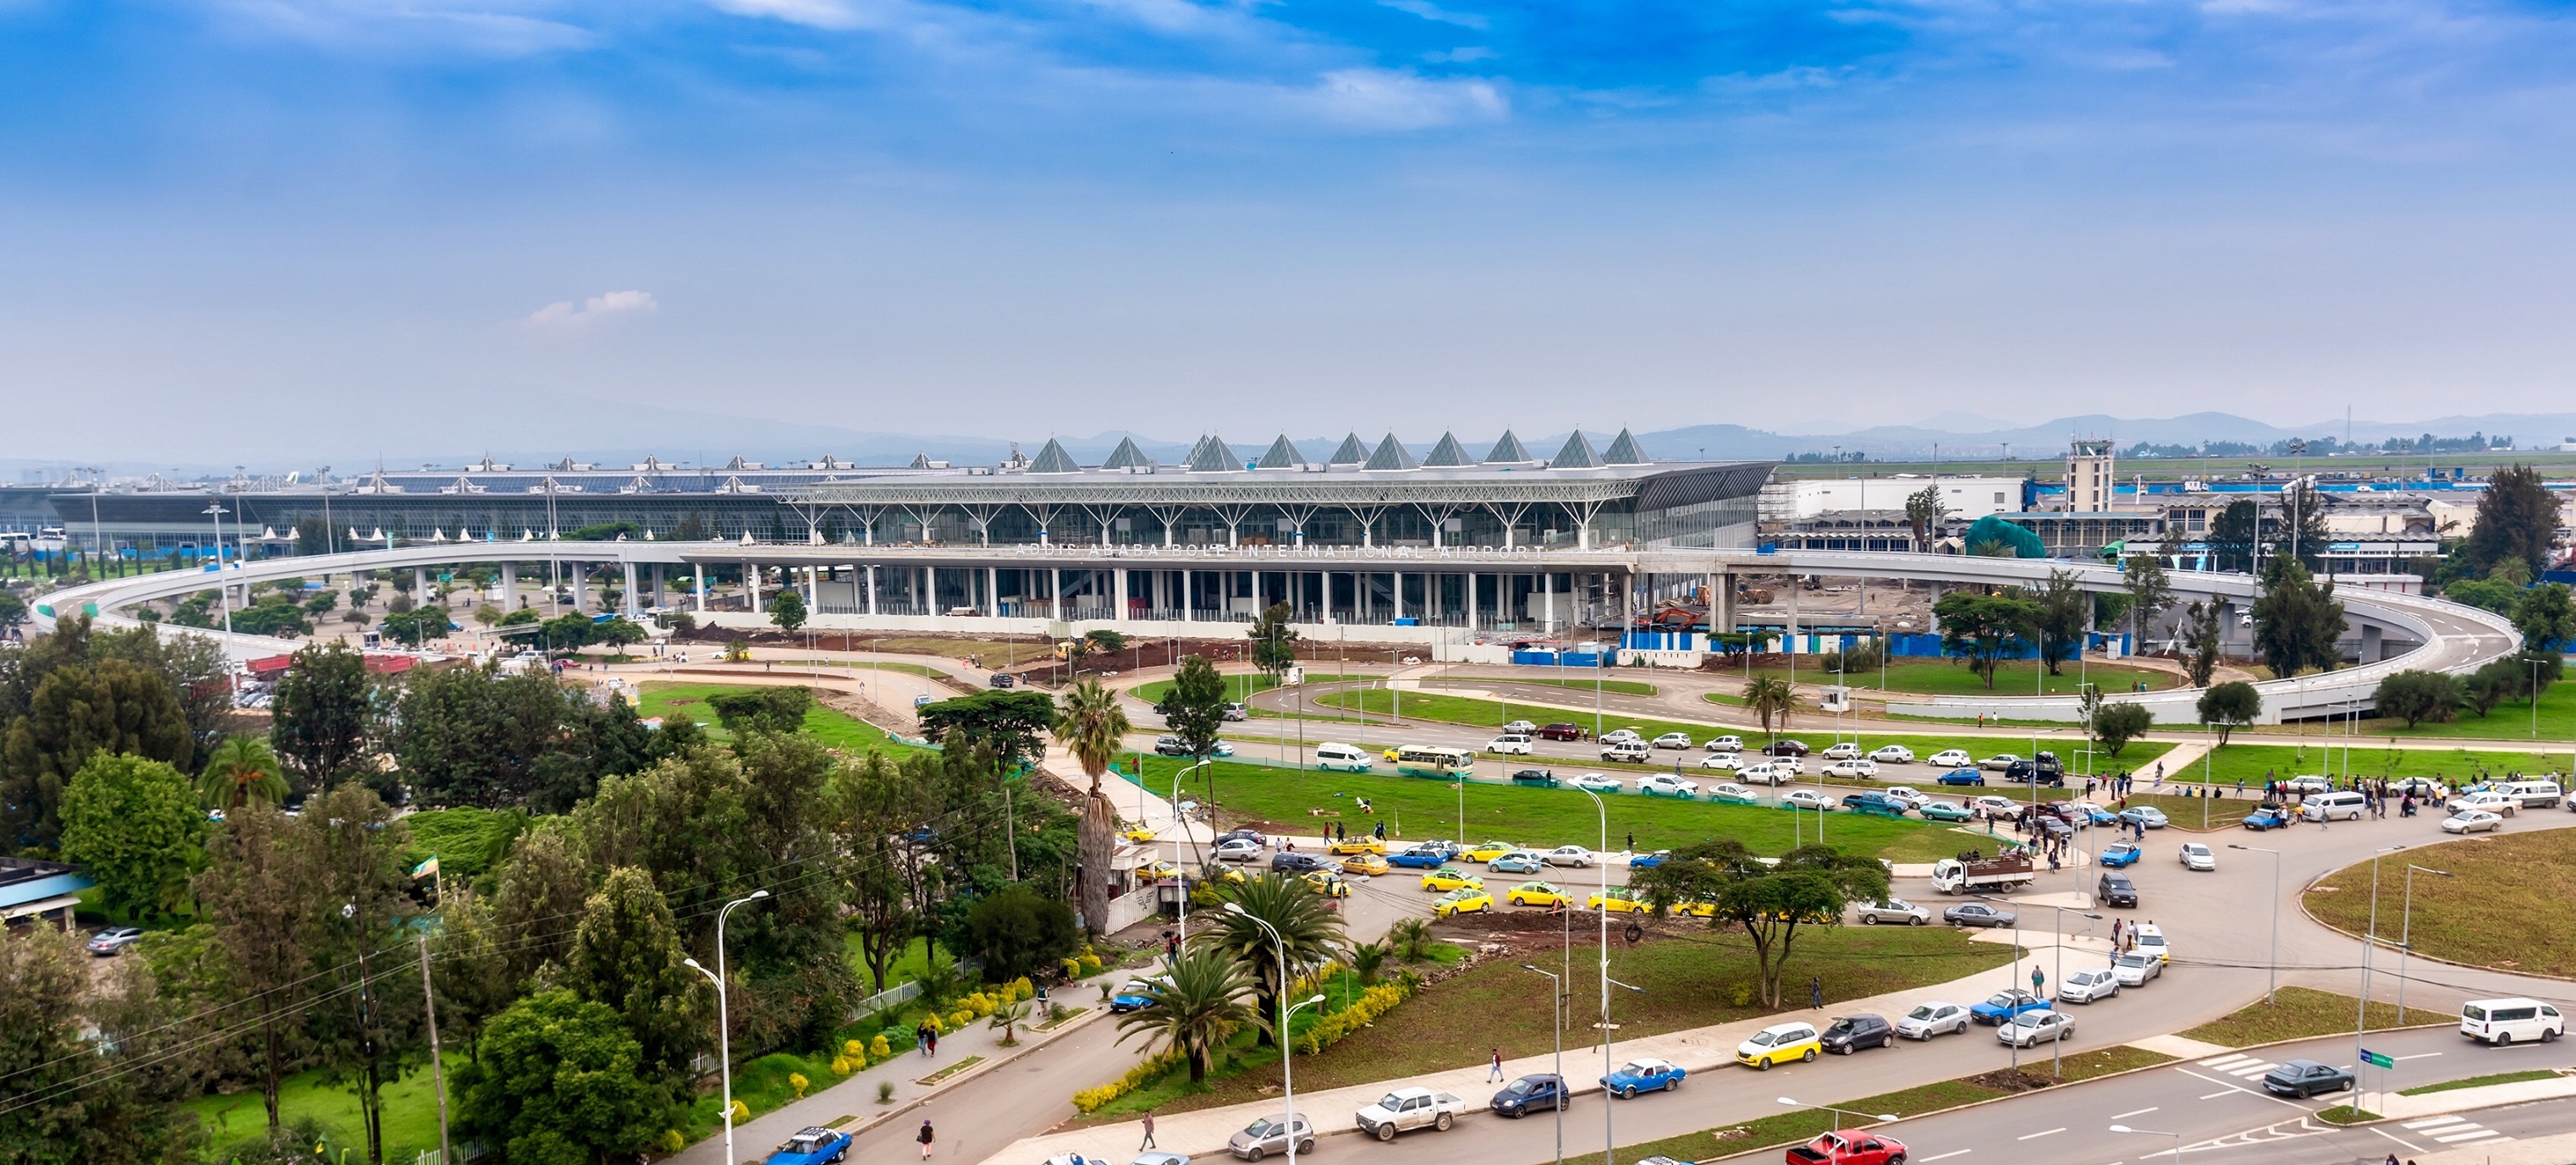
(858, 1127)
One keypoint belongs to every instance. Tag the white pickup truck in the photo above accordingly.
(1409, 1108)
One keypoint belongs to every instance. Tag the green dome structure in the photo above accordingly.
(1994, 529)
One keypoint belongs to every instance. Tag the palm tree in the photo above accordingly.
(1411, 937)
(1309, 929)
(1008, 1017)
(1196, 1006)
(1368, 959)
(243, 769)
(1092, 726)
(1770, 696)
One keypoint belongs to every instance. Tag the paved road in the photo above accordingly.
(2219, 1107)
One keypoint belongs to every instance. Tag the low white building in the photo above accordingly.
(1785, 500)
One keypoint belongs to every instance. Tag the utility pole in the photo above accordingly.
(437, 1070)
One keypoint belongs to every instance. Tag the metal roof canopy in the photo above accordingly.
(1656, 487)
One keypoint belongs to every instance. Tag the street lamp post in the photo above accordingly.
(2406, 932)
(2057, 1047)
(1287, 1053)
(2177, 1149)
(1556, 995)
(724, 1022)
(223, 592)
(1609, 1138)
(1183, 926)
(2272, 984)
(2369, 944)
(2015, 985)
(1840, 1113)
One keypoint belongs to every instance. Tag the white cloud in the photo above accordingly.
(504, 28)
(1467, 55)
(1386, 99)
(567, 314)
(831, 14)
(1430, 11)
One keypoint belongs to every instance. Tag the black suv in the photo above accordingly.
(2116, 889)
(2045, 767)
(1851, 1033)
(1287, 863)
(1003, 679)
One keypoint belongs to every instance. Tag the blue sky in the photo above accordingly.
(266, 226)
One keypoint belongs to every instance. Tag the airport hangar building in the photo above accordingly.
(1370, 537)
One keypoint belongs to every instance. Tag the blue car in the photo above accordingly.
(2002, 1006)
(813, 1146)
(2267, 817)
(1129, 1000)
(1649, 861)
(1520, 862)
(2121, 854)
(1420, 857)
(1961, 777)
(2098, 815)
(1637, 1076)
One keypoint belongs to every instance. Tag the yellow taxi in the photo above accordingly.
(1138, 834)
(1369, 864)
(1363, 844)
(1451, 878)
(1486, 851)
(1538, 894)
(1391, 754)
(1156, 869)
(1695, 909)
(1471, 900)
(1778, 1044)
(1227, 874)
(1619, 900)
(1328, 884)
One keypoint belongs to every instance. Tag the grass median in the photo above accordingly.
(1416, 809)
(831, 727)
(2251, 763)
(1951, 677)
(2297, 1013)
(2506, 905)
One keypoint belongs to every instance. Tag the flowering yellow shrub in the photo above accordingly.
(1145, 1072)
(933, 1020)
(1021, 989)
(853, 1049)
(1372, 1003)
(879, 1049)
(797, 1084)
(841, 1065)
(961, 1019)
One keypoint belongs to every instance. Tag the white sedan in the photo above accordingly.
(1806, 799)
(1665, 785)
(1599, 783)
(1998, 762)
(1913, 798)
(1844, 750)
(1893, 754)
(1993, 806)
(2472, 821)
(1952, 758)
(1673, 740)
(2196, 856)
(1621, 736)
(1728, 743)
(1509, 745)
(1520, 728)
(1569, 855)
(1238, 849)
(1723, 762)
(1851, 767)
(1766, 774)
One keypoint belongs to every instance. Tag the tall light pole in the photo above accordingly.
(1183, 927)
(2272, 984)
(2057, 1047)
(1556, 996)
(1287, 1051)
(724, 1021)
(2369, 943)
(2177, 1149)
(1609, 1138)
(223, 593)
(2014, 1045)
(2406, 933)
(1840, 1113)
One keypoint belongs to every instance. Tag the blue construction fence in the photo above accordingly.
(1920, 645)
(1563, 658)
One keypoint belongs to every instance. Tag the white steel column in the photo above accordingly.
(509, 587)
(993, 591)
(871, 583)
(1469, 587)
(1395, 587)
(1118, 581)
(1547, 583)
(698, 580)
(1055, 592)
(631, 588)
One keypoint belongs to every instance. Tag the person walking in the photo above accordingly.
(1149, 1132)
(1816, 992)
(925, 1136)
(934, 1043)
(921, 1036)
(1496, 1073)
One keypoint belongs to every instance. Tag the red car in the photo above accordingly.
(1849, 1149)
(1561, 731)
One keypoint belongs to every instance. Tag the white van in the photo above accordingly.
(2329, 806)
(2533, 794)
(2505, 1021)
(1342, 758)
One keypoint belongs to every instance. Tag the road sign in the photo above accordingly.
(2377, 1060)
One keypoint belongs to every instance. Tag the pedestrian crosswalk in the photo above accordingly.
(2238, 1065)
(2454, 1130)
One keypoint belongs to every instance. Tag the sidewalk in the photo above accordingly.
(1697, 1050)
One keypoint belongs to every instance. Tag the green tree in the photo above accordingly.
(1006, 721)
(2517, 522)
(626, 954)
(1810, 886)
(1924, 513)
(1197, 1007)
(2116, 723)
(560, 1082)
(364, 1039)
(488, 615)
(78, 711)
(417, 626)
(619, 633)
(545, 880)
(2150, 593)
(2233, 534)
(242, 770)
(2496, 681)
(2204, 639)
(1014, 932)
(2491, 594)
(2297, 620)
(73, 1099)
(1194, 708)
(324, 712)
(2301, 532)
(2063, 607)
(767, 709)
(261, 895)
(1093, 726)
(472, 736)
(1105, 641)
(570, 631)
(136, 826)
(2230, 706)
(2546, 619)
(787, 610)
(1986, 629)
(13, 610)
(879, 809)
(1309, 930)
(2416, 696)
(1771, 698)
(1273, 641)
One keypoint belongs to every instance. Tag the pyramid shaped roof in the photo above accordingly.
(1448, 454)
(1350, 452)
(920, 461)
(1508, 451)
(1125, 456)
(1212, 456)
(1577, 454)
(1390, 454)
(1053, 459)
(1281, 455)
(1625, 451)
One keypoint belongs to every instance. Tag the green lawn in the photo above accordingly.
(1615, 687)
(465, 841)
(2300, 1012)
(2509, 903)
(2250, 763)
(1811, 727)
(833, 728)
(1417, 809)
(1239, 687)
(2483, 1081)
(1951, 677)
(914, 960)
(2504, 724)
(410, 1112)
